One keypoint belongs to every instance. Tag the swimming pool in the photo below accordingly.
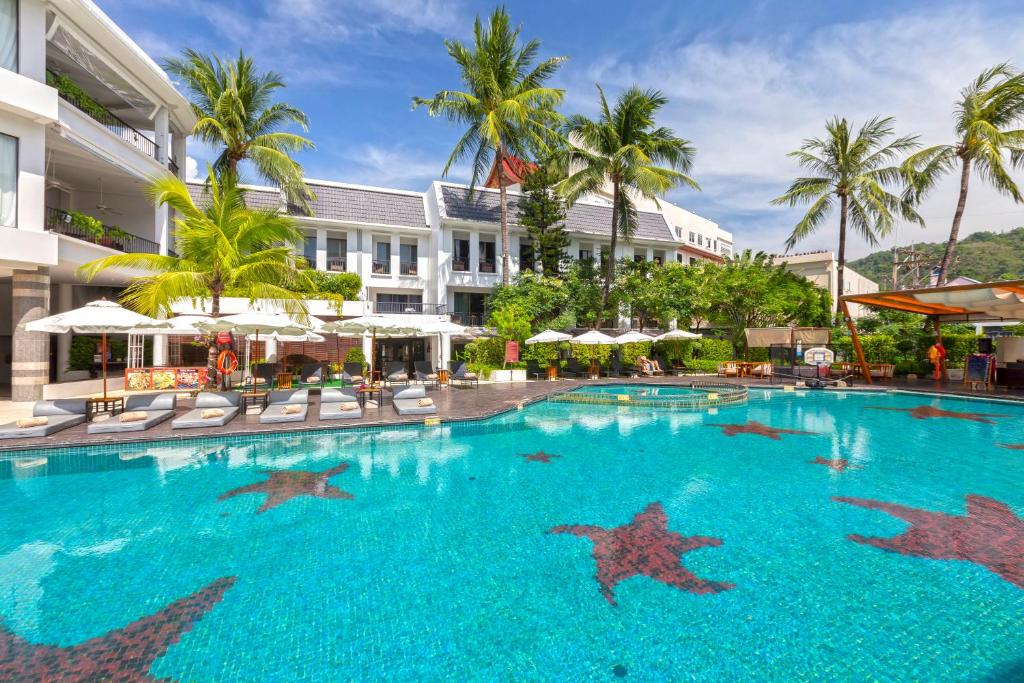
(467, 552)
(700, 395)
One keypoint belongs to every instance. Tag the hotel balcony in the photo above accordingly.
(68, 224)
(337, 264)
(407, 268)
(388, 308)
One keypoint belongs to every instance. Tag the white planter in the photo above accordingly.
(955, 374)
(517, 375)
(75, 375)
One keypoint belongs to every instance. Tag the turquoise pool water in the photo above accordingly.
(468, 552)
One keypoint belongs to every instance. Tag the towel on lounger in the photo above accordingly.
(135, 416)
(210, 413)
(291, 409)
(356, 378)
(349, 405)
(469, 375)
(424, 402)
(29, 422)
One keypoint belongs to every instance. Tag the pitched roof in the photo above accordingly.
(340, 203)
(514, 169)
(585, 218)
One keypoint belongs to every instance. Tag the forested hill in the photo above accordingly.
(983, 256)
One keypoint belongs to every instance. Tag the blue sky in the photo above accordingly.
(747, 82)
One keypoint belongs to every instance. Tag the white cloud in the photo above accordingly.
(191, 168)
(745, 104)
(396, 166)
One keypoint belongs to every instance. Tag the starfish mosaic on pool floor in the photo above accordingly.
(283, 485)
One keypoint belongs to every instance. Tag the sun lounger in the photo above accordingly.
(59, 414)
(312, 375)
(156, 407)
(407, 401)
(572, 367)
(426, 373)
(352, 373)
(460, 374)
(275, 412)
(396, 373)
(333, 402)
(227, 402)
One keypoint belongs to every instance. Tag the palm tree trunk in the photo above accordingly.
(211, 353)
(506, 261)
(609, 272)
(844, 204)
(954, 231)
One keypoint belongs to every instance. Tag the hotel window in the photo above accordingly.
(586, 254)
(408, 259)
(460, 254)
(8, 181)
(487, 257)
(9, 35)
(693, 236)
(309, 250)
(382, 258)
(336, 249)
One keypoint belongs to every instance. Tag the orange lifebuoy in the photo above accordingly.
(228, 367)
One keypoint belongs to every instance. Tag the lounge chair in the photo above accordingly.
(407, 401)
(572, 367)
(335, 404)
(312, 375)
(614, 369)
(763, 370)
(59, 414)
(459, 374)
(262, 378)
(396, 372)
(226, 402)
(156, 407)
(534, 370)
(729, 370)
(425, 373)
(352, 373)
(276, 402)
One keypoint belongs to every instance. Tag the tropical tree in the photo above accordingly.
(237, 115)
(623, 148)
(542, 213)
(984, 119)
(224, 249)
(505, 106)
(853, 170)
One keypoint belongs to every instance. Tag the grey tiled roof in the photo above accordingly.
(341, 204)
(368, 206)
(590, 219)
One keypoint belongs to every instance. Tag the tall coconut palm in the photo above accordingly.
(623, 148)
(224, 249)
(505, 105)
(983, 119)
(236, 114)
(854, 171)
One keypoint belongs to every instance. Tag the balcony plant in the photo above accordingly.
(72, 92)
(116, 237)
(88, 227)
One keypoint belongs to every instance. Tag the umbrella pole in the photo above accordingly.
(373, 354)
(103, 362)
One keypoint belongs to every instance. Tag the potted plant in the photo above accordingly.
(89, 228)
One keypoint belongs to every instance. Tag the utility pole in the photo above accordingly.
(911, 268)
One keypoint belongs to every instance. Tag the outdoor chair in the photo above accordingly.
(459, 374)
(426, 373)
(279, 408)
(396, 372)
(312, 375)
(262, 378)
(59, 414)
(614, 369)
(572, 367)
(141, 412)
(213, 409)
(412, 400)
(729, 370)
(534, 370)
(764, 370)
(352, 373)
(339, 404)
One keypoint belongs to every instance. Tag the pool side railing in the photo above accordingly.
(711, 395)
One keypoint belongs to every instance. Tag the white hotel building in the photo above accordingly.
(86, 117)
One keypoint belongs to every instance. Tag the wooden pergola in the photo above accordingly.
(977, 302)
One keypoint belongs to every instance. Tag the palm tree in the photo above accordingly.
(235, 112)
(505, 105)
(225, 249)
(624, 149)
(988, 107)
(853, 171)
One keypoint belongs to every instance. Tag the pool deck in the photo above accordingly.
(453, 404)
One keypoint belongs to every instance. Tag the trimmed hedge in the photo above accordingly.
(714, 349)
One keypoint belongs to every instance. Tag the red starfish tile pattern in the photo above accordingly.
(125, 654)
(837, 464)
(283, 485)
(925, 412)
(990, 535)
(539, 456)
(644, 547)
(752, 427)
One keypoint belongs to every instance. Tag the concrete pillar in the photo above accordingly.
(32, 40)
(180, 155)
(64, 303)
(30, 366)
(270, 350)
(396, 255)
(446, 350)
(352, 252)
(161, 135)
(160, 350)
(474, 252)
(321, 249)
(368, 350)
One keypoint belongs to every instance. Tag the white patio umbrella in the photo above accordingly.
(97, 317)
(384, 326)
(593, 338)
(548, 336)
(178, 326)
(677, 334)
(254, 322)
(633, 337)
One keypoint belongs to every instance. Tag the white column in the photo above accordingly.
(321, 249)
(396, 258)
(159, 350)
(161, 135)
(368, 350)
(446, 350)
(271, 350)
(63, 340)
(180, 154)
(474, 252)
(423, 266)
(352, 251)
(32, 40)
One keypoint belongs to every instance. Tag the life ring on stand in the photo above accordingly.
(227, 362)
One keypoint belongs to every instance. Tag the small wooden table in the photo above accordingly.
(362, 393)
(552, 372)
(109, 404)
(284, 380)
(253, 398)
(442, 377)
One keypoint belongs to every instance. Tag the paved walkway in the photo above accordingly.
(453, 404)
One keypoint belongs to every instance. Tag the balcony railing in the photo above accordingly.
(76, 97)
(487, 266)
(382, 267)
(64, 223)
(407, 268)
(394, 307)
(469, 319)
(460, 265)
(336, 264)
(172, 165)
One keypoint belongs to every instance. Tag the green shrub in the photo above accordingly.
(590, 354)
(714, 349)
(630, 352)
(879, 348)
(84, 348)
(487, 352)
(91, 227)
(356, 355)
(703, 365)
(345, 285)
(958, 347)
(678, 350)
(544, 354)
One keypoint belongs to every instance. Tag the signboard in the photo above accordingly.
(174, 379)
(978, 368)
(511, 352)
